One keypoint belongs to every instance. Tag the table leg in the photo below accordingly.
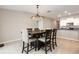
(37, 48)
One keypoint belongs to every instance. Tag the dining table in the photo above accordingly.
(37, 35)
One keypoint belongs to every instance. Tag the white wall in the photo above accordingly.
(49, 23)
(12, 22)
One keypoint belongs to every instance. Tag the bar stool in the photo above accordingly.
(46, 40)
(54, 34)
(26, 41)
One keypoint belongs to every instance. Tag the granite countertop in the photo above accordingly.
(68, 29)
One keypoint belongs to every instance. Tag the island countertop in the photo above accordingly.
(68, 34)
(69, 29)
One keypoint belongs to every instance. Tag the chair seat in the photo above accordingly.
(30, 40)
(43, 39)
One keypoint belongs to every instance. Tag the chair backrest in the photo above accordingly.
(54, 32)
(29, 29)
(24, 35)
(48, 34)
(36, 29)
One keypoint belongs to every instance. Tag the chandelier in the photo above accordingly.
(37, 16)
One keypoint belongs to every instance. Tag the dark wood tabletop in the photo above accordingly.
(37, 32)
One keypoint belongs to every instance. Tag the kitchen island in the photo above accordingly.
(68, 34)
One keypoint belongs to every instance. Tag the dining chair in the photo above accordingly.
(54, 35)
(29, 29)
(46, 39)
(36, 29)
(26, 39)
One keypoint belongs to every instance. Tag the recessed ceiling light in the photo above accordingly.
(59, 15)
(69, 13)
(65, 11)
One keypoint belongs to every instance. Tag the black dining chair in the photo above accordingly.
(54, 40)
(26, 39)
(46, 41)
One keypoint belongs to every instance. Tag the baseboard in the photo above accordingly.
(60, 37)
(9, 41)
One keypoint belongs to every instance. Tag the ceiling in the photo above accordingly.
(50, 11)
